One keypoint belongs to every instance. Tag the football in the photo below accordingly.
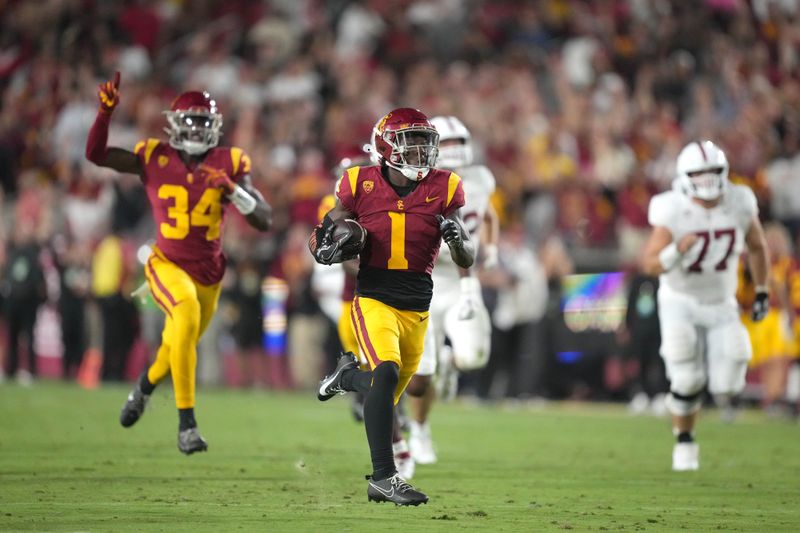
(351, 237)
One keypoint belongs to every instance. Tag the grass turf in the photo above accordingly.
(285, 462)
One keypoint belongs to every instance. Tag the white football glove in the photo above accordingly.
(469, 327)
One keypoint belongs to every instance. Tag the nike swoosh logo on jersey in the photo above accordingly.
(428, 199)
(388, 494)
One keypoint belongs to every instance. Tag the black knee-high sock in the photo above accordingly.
(379, 419)
(357, 381)
(186, 419)
(144, 384)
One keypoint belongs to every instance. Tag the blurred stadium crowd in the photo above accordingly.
(578, 107)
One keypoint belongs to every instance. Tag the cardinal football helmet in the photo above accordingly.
(194, 123)
(457, 154)
(702, 170)
(406, 140)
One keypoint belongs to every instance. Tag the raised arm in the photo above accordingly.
(97, 150)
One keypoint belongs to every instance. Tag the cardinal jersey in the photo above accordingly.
(479, 185)
(189, 215)
(402, 232)
(708, 271)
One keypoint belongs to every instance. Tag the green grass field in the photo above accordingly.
(285, 462)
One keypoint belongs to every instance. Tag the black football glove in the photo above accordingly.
(451, 232)
(760, 306)
(321, 242)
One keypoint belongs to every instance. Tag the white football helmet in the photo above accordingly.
(702, 170)
(453, 156)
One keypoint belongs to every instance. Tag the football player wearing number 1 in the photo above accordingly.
(407, 208)
(189, 183)
(700, 229)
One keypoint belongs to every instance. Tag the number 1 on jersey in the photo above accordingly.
(397, 259)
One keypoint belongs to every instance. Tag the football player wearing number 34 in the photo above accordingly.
(700, 229)
(190, 182)
(407, 207)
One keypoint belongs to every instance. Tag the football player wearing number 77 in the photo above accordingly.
(407, 208)
(700, 229)
(190, 182)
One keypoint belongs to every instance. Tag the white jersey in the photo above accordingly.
(327, 282)
(708, 271)
(479, 184)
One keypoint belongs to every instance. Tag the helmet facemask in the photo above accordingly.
(455, 155)
(706, 184)
(455, 142)
(195, 131)
(414, 151)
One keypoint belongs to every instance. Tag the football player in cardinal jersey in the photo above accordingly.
(407, 208)
(190, 182)
(335, 286)
(700, 229)
(457, 309)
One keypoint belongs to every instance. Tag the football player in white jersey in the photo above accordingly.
(700, 229)
(457, 311)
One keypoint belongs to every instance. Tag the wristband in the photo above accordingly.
(669, 256)
(243, 200)
(762, 288)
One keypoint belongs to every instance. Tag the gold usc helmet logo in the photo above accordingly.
(382, 121)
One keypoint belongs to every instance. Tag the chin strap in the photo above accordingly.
(412, 173)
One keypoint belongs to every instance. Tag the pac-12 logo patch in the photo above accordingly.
(368, 185)
(162, 161)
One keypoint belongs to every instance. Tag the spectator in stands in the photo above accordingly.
(24, 290)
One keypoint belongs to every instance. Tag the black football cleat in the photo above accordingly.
(394, 489)
(190, 441)
(134, 407)
(331, 385)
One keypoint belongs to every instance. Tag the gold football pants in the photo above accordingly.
(188, 306)
(388, 334)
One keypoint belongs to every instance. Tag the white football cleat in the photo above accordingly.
(421, 443)
(639, 403)
(403, 460)
(685, 456)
